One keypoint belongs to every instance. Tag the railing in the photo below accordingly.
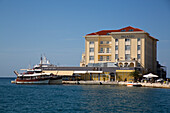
(104, 52)
(104, 60)
(106, 43)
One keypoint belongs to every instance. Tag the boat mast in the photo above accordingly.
(41, 62)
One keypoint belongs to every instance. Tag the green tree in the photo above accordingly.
(136, 75)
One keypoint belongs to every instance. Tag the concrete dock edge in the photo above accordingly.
(154, 85)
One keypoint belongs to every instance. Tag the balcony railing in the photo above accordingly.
(104, 52)
(105, 43)
(104, 60)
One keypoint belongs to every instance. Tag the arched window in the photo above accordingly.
(120, 65)
(126, 64)
(131, 64)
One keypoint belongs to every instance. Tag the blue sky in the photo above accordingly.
(29, 28)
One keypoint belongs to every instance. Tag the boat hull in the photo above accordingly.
(57, 81)
(133, 84)
(130, 85)
(32, 81)
(39, 81)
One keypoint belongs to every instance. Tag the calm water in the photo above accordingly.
(81, 98)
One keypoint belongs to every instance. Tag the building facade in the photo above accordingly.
(128, 47)
(91, 73)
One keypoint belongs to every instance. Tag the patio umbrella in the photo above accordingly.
(160, 80)
(150, 75)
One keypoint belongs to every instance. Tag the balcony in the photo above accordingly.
(91, 45)
(104, 60)
(127, 43)
(104, 53)
(139, 42)
(116, 43)
(105, 43)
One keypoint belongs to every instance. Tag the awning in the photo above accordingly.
(65, 73)
(83, 72)
(95, 71)
(80, 72)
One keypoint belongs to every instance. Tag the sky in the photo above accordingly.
(29, 28)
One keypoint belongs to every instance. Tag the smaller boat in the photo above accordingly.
(133, 84)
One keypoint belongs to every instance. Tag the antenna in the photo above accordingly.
(29, 66)
(58, 64)
(41, 59)
(41, 62)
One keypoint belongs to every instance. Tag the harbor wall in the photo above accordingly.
(154, 85)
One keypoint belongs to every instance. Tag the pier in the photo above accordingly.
(154, 85)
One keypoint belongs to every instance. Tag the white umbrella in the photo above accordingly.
(159, 80)
(150, 75)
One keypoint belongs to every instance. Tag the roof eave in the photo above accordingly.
(127, 32)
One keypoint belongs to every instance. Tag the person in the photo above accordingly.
(167, 82)
(125, 80)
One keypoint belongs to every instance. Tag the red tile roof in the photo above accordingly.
(126, 29)
(153, 38)
(104, 32)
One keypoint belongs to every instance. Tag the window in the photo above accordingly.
(138, 56)
(91, 42)
(139, 65)
(126, 64)
(101, 42)
(101, 50)
(91, 58)
(138, 39)
(107, 42)
(127, 47)
(120, 65)
(131, 29)
(116, 47)
(116, 40)
(108, 58)
(127, 40)
(91, 49)
(101, 58)
(116, 56)
(123, 30)
(138, 47)
(108, 50)
(127, 56)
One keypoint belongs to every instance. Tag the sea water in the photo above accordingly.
(81, 98)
